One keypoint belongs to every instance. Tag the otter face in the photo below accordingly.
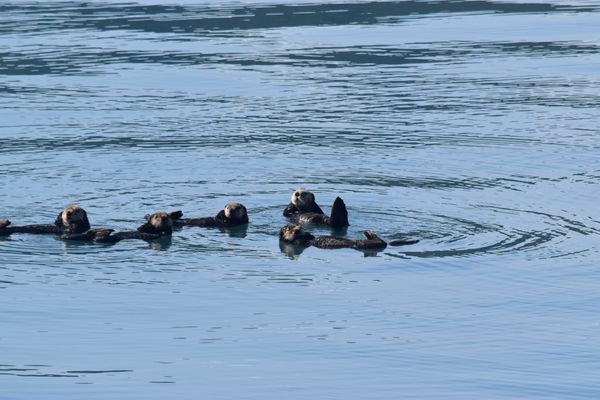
(160, 221)
(74, 218)
(235, 211)
(302, 198)
(293, 233)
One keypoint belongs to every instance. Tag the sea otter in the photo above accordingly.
(302, 201)
(157, 225)
(295, 235)
(71, 220)
(233, 214)
(304, 209)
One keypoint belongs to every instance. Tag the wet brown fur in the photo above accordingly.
(157, 225)
(303, 209)
(294, 234)
(71, 220)
(302, 201)
(233, 214)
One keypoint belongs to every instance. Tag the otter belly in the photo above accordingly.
(332, 242)
(310, 218)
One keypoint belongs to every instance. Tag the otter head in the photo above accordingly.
(73, 219)
(236, 212)
(293, 233)
(302, 198)
(160, 221)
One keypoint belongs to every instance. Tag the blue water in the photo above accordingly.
(471, 125)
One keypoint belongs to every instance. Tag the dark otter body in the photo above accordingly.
(372, 241)
(71, 220)
(117, 237)
(233, 214)
(302, 201)
(41, 229)
(157, 225)
(292, 209)
(304, 210)
(295, 235)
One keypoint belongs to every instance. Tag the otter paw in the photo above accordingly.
(176, 215)
(101, 234)
(370, 235)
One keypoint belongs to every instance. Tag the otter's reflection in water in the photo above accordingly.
(239, 231)
(162, 243)
(293, 251)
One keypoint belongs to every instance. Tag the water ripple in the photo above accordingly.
(37, 18)
(548, 236)
(469, 125)
(79, 59)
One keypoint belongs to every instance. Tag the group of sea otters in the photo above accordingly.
(73, 224)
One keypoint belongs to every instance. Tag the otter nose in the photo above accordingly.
(297, 194)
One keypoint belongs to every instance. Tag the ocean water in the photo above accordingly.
(470, 125)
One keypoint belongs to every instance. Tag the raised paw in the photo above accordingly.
(176, 215)
(371, 235)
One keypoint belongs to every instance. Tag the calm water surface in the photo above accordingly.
(471, 125)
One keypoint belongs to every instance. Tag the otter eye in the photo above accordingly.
(303, 194)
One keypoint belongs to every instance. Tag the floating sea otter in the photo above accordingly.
(71, 220)
(233, 214)
(157, 225)
(294, 234)
(304, 209)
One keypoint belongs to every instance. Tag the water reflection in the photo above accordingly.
(80, 59)
(198, 19)
(239, 231)
(48, 371)
(292, 251)
(162, 243)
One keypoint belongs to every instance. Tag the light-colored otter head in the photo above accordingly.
(293, 233)
(73, 218)
(302, 198)
(235, 211)
(160, 220)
